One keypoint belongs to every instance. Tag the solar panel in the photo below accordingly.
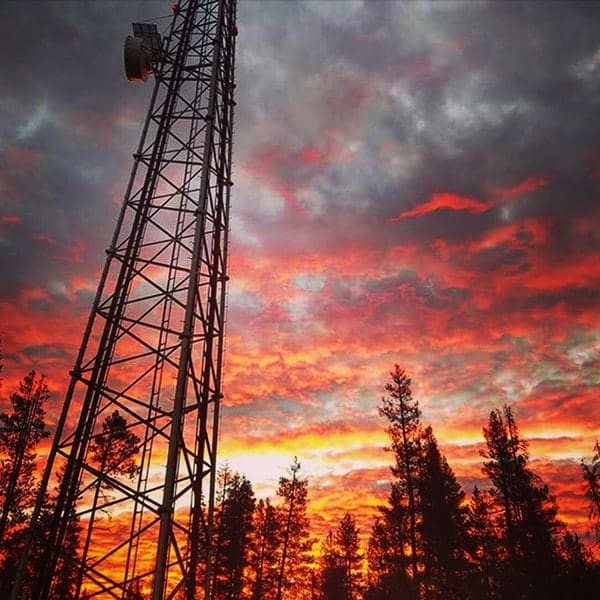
(149, 32)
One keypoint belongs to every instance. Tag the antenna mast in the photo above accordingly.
(145, 390)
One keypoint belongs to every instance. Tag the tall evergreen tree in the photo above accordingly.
(580, 573)
(346, 538)
(527, 513)
(12, 548)
(388, 564)
(265, 548)
(486, 548)
(443, 527)
(420, 546)
(115, 448)
(331, 571)
(404, 417)
(231, 538)
(64, 584)
(296, 544)
(340, 562)
(20, 433)
(591, 477)
(113, 451)
(66, 576)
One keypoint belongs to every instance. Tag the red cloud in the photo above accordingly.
(444, 200)
(10, 220)
(451, 201)
(310, 154)
(45, 238)
(531, 184)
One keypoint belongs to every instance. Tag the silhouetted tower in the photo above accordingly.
(136, 443)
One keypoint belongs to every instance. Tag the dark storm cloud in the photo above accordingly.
(45, 351)
(61, 145)
(471, 98)
(513, 102)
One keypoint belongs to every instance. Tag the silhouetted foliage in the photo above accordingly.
(332, 571)
(115, 447)
(526, 513)
(404, 417)
(580, 574)
(65, 580)
(485, 545)
(388, 563)
(427, 542)
(420, 545)
(231, 537)
(14, 543)
(296, 543)
(20, 433)
(443, 529)
(113, 451)
(591, 477)
(340, 562)
(265, 547)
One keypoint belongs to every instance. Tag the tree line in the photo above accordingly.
(429, 540)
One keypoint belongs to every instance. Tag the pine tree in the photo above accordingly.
(296, 544)
(579, 572)
(388, 573)
(404, 416)
(485, 548)
(591, 477)
(65, 581)
(394, 549)
(20, 433)
(64, 584)
(265, 548)
(332, 571)
(527, 513)
(443, 528)
(340, 562)
(231, 538)
(114, 449)
(346, 538)
(13, 546)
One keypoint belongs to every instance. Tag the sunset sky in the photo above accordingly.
(415, 183)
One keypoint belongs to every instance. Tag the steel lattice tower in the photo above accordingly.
(152, 349)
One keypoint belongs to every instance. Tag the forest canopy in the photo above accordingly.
(430, 539)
